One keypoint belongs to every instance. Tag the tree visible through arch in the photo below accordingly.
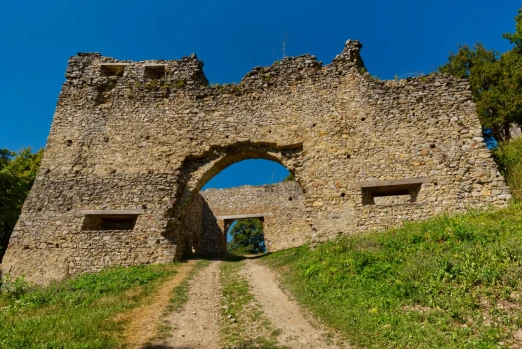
(246, 237)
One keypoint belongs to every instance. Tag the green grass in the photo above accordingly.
(450, 282)
(76, 313)
(243, 324)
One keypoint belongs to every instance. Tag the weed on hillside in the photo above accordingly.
(508, 155)
(450, 282)
(76, 313)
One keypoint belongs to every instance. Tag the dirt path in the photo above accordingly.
(144, 320)
(195, 325)
(284, 313)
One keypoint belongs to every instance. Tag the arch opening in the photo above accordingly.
(204, 214)
(245, 236)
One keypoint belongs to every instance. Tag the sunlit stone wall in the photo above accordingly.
(147, 136)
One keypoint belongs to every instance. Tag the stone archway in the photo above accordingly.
(197, 171)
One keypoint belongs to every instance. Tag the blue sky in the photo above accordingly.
(251, 172)
(399, 37)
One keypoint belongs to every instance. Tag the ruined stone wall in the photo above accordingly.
(192, 224)
(213, 239)
(281, 205)
(148, 135)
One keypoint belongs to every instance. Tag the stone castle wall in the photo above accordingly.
(140, 139)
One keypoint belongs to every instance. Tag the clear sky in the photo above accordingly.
(399, 37)
(251, 172)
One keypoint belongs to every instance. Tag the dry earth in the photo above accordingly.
(285, 313)
(145, 319)
(196, 324)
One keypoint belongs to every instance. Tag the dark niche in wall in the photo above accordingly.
(113, 69)
(154, 71)
(111, 220)
(400, 191)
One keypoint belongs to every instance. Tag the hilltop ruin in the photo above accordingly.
(132, 144)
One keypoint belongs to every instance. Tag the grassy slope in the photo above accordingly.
(76, 313)
(450, 282)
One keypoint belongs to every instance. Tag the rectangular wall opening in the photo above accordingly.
(155, 71)
(110, 220)
(113, 69)
(395, 192)
(102, 222)
(245, 235)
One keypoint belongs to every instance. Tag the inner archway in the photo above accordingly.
(245, 236)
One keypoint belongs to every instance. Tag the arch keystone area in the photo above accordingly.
(132, 144)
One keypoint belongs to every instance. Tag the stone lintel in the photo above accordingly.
(114, 64)
(239, 216)
(407, 181)
(111, 212)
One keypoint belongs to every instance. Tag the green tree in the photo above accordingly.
(17, 174)
(495, 80)
(247, 237)
(516, 37)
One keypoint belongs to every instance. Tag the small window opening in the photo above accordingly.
(109, 222)
(391, 192)
(155, 71)
(118, 222)
(112, 69)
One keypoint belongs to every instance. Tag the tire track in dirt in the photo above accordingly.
(196, 324)
(284, 313)
(145, 319)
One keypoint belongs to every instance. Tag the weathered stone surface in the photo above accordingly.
(144, 137)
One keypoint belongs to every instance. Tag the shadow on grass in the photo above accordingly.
(228, 257)
(248, 344)
(161, 346)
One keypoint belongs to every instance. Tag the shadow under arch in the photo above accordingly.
(197, 170)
